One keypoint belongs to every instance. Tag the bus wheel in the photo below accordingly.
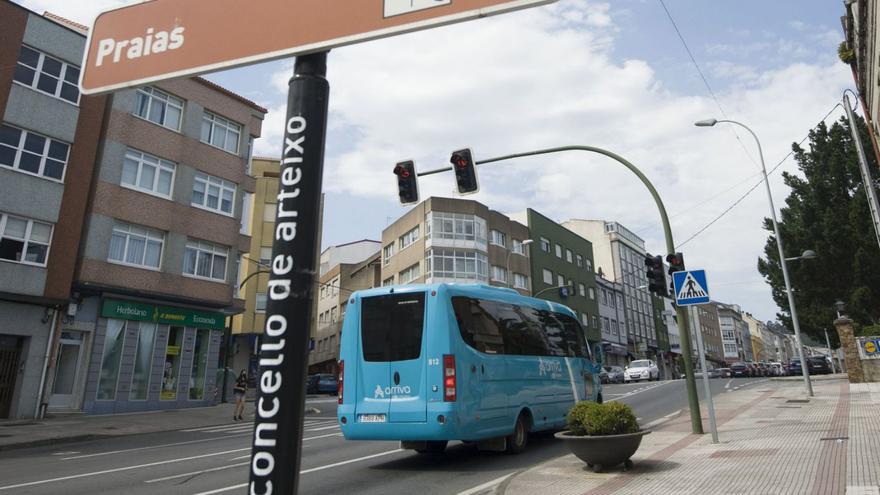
(433, 447)
(516, 442)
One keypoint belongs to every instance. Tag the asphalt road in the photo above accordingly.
(214, 460)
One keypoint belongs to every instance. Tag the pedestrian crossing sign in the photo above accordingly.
(690, 287)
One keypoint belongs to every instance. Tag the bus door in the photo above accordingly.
(391, 374)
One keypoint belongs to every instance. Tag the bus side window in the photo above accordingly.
(477, 326)
(573, 336)
(522, 331)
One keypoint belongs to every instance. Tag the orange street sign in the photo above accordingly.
(164, 39)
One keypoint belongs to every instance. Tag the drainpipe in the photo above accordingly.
(39, 411)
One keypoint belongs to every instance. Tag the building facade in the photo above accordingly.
(49, 137)
(162, 239)
(350, 253)
(455, 240)
(620, 255)
(704, 318)
(611, 309)
(730, 323)
(336, 286)
(559, 257)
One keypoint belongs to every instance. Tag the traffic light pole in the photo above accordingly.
(681, 312)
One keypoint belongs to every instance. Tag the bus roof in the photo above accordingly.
(502, 294)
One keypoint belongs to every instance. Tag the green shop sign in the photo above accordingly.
(127, 310)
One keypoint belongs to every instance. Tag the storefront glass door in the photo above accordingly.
(67, 365)
(172, 364)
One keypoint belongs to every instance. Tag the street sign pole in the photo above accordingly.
(707, 389)
(277, 441)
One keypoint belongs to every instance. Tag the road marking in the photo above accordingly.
(484, 486)
(151, 447)
(193, 473)
(323, 428)
(67, 453)
(116, 470)
(638, 391)
(306, 471)
(661, 420)
(727, 385)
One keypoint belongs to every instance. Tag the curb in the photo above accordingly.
(56, 441)
(662, 420)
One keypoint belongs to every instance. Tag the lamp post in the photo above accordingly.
(509, 275)
(782, 259)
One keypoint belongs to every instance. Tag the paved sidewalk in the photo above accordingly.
(79, 427)
(773, 441)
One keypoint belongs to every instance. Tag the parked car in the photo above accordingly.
(725, 372)
(794, 367)
(327, 384)
(312, 384)
(698, 373)
(642, 369)
(611, 374)
(777, 369)
(739, 370)
(818, 365)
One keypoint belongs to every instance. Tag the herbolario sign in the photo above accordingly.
(129, 310)
(162, 39)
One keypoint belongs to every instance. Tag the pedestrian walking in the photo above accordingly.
(239, 392)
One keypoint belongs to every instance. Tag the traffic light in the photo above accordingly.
(407, 182)
(465, 171)
(656, 277)
(676, 264)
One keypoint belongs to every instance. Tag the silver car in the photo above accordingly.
(642, 369)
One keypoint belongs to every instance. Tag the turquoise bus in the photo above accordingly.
(426, 364)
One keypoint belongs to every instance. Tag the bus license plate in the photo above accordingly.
(372, 418)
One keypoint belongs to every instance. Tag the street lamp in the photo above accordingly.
(509, 275)
(782, 259)
(808, 255)
(840, 306)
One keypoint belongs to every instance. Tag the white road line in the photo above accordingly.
(116, 470)
(151, 447)
(323, 428)
(306, 471)
(193, 473)
(727, 385)
(304, 439)
(206, 428)
(484, 486)
(638, 391)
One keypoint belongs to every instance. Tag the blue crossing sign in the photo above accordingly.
(690, 287)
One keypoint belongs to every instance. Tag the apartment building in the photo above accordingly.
(620, 255)
(455, 240)
(730, 324)
(49, 137)
(611, 310)
(704, 318)
(350, 253)
(336, 286)
(158, 266)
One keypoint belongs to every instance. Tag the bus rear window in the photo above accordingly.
(391, 327)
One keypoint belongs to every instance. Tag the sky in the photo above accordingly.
(614, 75)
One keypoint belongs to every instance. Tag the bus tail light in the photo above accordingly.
(341, 380)
(449, 381)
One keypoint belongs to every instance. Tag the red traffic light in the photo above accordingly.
(465, 171)
(407, 182)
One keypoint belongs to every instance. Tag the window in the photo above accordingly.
(498, 238)
(456, 226)
(614, 327)
(517, 247)
(269, 210)
(410, 237)
(392, 327)
(114, 339)
(213, 193)
(548, 277)
(334, 314)
(266, 255)
(143, 361)
(24, 241)
(220, 133)
(595, 322)
(250, 155)
(159, 107)
(32, 153)
(568, 255)
(558, 251)
(334, 287)
(604, 297)
(409, 274)
(560, 280)
(579, 260)
(582, 290)
(585, 319)
(136, 246)
(147, 173)
(520, 281)
(592, 294)
(199, 365)
(205, 260)
(260, 306)
(388, 281)
(545, 245)
(47, 75)
(387, 253)
(589, 265)
(457, 264)
(246, 202)
(606, 325)
(499, 274)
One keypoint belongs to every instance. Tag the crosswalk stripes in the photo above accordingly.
(309, 425)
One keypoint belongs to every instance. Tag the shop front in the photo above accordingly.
(147, 357)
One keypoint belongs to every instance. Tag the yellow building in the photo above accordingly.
(254, 267)
(758, 348)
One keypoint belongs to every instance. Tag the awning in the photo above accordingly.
(612, 348)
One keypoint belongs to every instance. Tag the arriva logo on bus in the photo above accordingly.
(403, 391)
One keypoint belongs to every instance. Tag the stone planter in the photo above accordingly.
(603, 451)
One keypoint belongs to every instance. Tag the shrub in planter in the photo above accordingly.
(611, 418)
(602, 435)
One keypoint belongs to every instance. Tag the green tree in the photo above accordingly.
(827, 211)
